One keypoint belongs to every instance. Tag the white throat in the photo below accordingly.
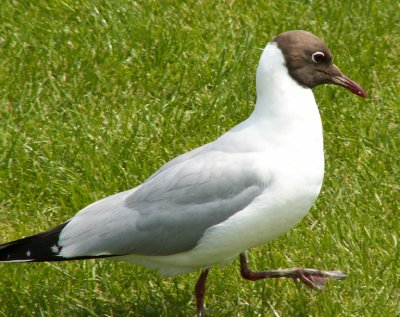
(276, 89)
(282, 104)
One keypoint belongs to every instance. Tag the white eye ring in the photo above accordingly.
(317, 57)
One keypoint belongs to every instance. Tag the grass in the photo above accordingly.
(96, 95)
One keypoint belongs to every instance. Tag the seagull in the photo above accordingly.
(212, 204)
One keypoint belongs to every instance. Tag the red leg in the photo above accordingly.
(312, 278)
(200, 290)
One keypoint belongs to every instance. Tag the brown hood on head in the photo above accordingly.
(310, 62)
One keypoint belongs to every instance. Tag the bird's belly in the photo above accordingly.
(269, 216)
(278, 209)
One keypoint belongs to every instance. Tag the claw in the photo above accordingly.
(316, 279)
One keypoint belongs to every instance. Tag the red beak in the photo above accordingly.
(351, 85)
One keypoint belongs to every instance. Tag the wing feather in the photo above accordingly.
(168, 213)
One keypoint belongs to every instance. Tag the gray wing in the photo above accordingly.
(169, 212)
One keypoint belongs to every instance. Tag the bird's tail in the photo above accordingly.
(41, 247)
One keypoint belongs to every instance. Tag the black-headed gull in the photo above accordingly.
(210, 205)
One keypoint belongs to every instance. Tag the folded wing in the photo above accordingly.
(168, 213)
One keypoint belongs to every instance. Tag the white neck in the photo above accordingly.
(281, 101)
(276, 89)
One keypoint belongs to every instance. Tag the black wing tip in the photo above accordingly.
(37, 248)
(41, 247)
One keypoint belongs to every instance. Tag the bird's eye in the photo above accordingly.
(318, 57)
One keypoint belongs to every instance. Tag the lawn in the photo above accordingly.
(96, 95)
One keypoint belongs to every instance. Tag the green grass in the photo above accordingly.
(96, 95)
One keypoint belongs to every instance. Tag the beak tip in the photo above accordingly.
(362, 93)
(350, 85)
